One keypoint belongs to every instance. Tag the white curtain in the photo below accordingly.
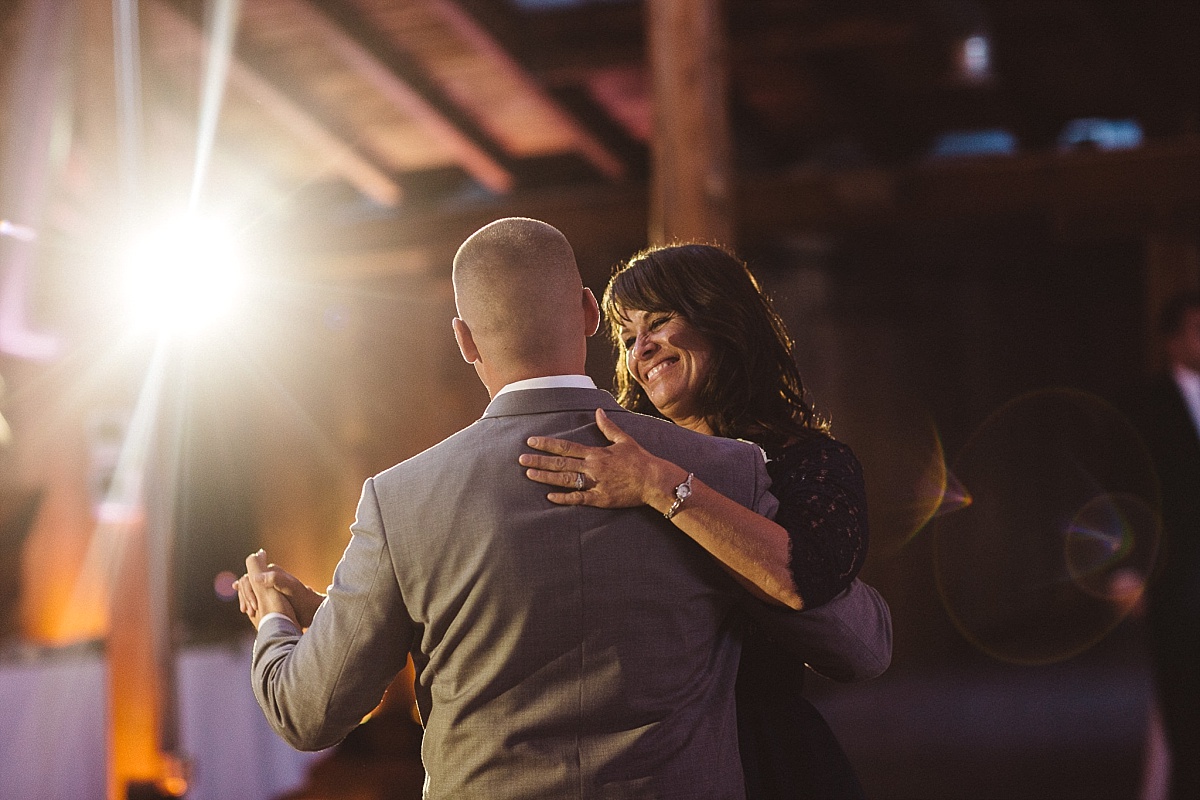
(53, 737)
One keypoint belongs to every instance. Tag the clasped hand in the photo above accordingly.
(616, 476)
(268, 588)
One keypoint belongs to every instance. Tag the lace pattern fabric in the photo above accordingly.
(823, 507)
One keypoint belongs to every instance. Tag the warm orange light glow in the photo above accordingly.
(62, 602)
(174, 780)
(135, 683)
(176, 787)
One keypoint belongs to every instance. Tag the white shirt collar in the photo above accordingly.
(550, 382)
(1188, 381)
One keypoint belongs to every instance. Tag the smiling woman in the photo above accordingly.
(701, 345)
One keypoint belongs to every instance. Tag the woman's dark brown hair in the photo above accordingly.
(753, 390)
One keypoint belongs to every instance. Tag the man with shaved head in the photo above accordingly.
(561, 651)
(523, 311)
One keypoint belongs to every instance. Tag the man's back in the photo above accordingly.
(564, 650)
(560, 651)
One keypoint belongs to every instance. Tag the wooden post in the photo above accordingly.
(691, 192)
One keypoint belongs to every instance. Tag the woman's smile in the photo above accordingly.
(653, 372)
(670, 359)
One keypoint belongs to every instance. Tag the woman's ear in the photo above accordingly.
(466, 342)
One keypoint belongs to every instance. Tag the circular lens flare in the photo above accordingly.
(183, 276)
(223, 585)
(1045, 560)
(1100, 542)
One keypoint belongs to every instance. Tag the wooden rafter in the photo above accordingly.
(406, 86)
(1130, 190)
(590, 147)
(340, 155)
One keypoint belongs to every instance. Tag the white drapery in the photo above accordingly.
(53, 729)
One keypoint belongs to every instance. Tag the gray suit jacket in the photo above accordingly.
(560, 651)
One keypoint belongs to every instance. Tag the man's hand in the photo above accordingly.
(304, 599)
(256, 599)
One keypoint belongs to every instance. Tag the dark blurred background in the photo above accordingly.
(968, 211)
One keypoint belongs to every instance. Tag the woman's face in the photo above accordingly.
(670, 360)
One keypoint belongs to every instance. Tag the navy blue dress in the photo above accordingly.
(788, 750)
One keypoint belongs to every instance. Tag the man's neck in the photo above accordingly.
(574, 381)
(496, 379)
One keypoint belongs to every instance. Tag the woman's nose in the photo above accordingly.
(643, 346)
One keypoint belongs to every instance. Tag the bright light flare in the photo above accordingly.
(184, 277)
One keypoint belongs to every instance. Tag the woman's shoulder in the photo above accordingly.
(815, 459)
(813, 446)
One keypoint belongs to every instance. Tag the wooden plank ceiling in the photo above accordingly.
(366, 109)
(371, 92)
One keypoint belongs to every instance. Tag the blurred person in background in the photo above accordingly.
(1170, 423)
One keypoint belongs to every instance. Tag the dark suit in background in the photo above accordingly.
(1173, 592)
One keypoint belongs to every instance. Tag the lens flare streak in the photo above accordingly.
(224, 22)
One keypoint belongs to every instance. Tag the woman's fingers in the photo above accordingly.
(551, 463)
(560, 447)
(569, 498)
(281, 580)
(606, 477)
(567, 480)
(610, 429)
(247, 602)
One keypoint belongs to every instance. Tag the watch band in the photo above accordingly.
(682, 492)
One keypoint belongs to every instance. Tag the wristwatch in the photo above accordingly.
(682, 492)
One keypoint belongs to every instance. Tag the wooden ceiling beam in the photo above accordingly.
(564, 46)
(341, 156)
(406, 85)
(1084, 193)
(584, 141)
(1127, 191)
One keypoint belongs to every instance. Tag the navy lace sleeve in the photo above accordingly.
(823, 507)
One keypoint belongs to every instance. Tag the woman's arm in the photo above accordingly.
(847, 639)
(751, 547)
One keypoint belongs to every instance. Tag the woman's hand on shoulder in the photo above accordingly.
(619, 475)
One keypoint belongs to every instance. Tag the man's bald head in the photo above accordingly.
(517, 287)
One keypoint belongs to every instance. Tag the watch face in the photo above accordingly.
(683, 491)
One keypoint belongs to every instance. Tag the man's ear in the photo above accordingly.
(466, 342)
(591, 313)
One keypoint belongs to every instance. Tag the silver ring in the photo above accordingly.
(579, 482)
